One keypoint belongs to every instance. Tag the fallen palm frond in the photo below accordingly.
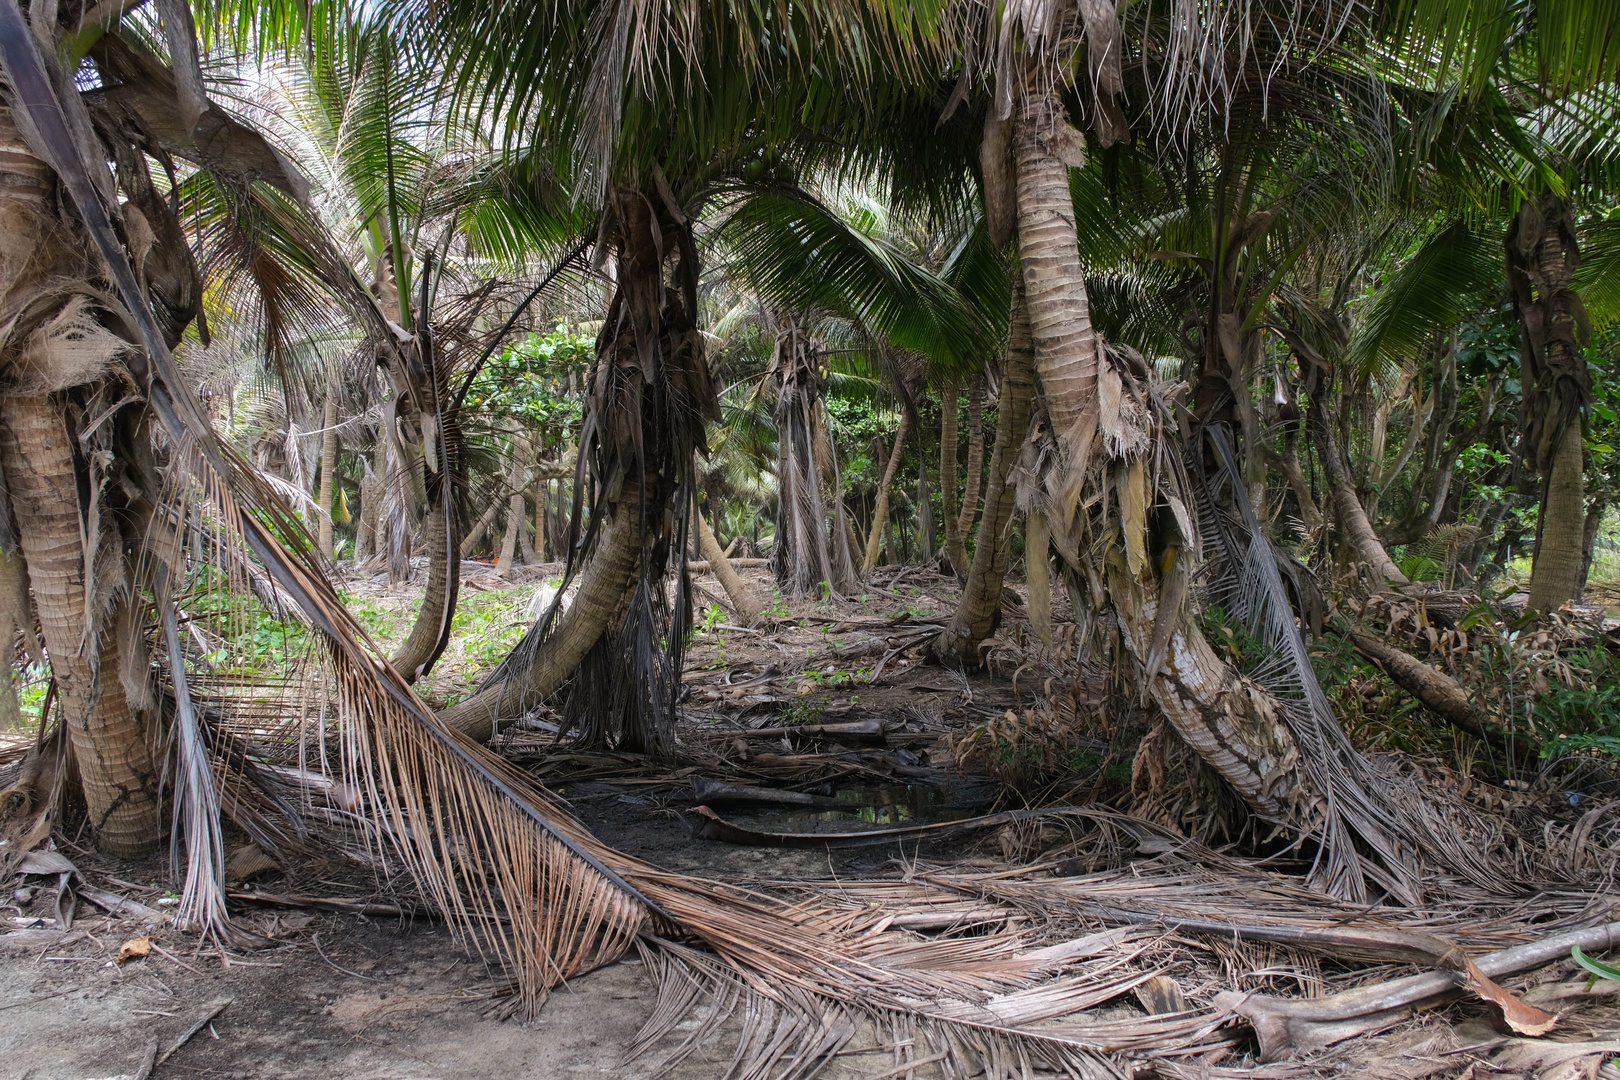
(511, 869)
(992, 970)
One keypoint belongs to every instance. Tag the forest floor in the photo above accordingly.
(373, 997)
(354, 986)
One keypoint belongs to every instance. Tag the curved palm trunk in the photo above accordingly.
(975, 457)
(1227, 720)
(744, 602)
(604, 583)
(980, 604)
(955, 550)
(880, 512)
(115, 744)
(1556, 575)
(1352, 515)
(474, 535)
(430, 634)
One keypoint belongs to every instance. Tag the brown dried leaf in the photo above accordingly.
(1525, 1019)
(133, 949)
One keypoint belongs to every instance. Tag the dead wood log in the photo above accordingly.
(326, 903)
(1439, 692)
(1286, 1026)
(702, 566)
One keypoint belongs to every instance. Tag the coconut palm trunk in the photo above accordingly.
(955, 549)
(979, 607)
(1542, 257)
(622, 640)
(115, 744)
(1207, 703)
(430, 633)
(514, 513)
(530, 677)
(1358, 530)
(475, 535)
(329, 453)
(1556, 575)
(975, 458)
(880, 512)
(814, 552)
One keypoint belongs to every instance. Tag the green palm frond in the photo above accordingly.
(1455, 273)
(803, 256)
(1598, 279)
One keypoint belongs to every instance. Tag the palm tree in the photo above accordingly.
(69, 348)
(1549, 53)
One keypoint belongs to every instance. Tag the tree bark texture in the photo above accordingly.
(514, 514)
(975, 458)
(430, 632)
(114, 743)
(1225, 718)
(1542, 257)
(329, 452)
(1060, 325)
(744, 601)
(1347, 505)
(1555, 576)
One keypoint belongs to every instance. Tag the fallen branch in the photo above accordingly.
(715, 791)
(1287, 1026)
(153, 1059)
(868, 730)
(324, 903)
(701, 566)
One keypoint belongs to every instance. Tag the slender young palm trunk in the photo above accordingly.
(114, 743)
(476, 533)
(430, 632)
(365, 530)
(1347, 505)
(955, 550)
(979, 607)
(744, 601)
(514, 513)
(329, 453)
(1555, 577)
(1594, 524)
(880, 513)
(975, 457)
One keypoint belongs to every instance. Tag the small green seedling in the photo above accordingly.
(1598, 969)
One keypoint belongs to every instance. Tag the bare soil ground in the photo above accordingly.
(341, 994)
